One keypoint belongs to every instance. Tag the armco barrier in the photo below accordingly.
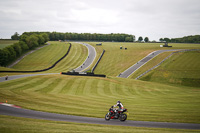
(83, 74)
(45, 68)
(98, 61)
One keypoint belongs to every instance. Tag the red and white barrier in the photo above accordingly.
(10, 105)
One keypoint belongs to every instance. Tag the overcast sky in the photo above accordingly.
(147, 18)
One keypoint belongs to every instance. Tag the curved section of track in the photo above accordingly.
(19, 112)
(89, 60)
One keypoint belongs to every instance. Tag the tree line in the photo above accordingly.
(116, 37)
(55, 36)
(26, 42)
(186, 39)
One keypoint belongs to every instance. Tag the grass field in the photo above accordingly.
(74, 59)
(48, 55)
(181, 69)
(92, 97)
(5, 43)
(20, 125)
(116, 61)
(149, 64)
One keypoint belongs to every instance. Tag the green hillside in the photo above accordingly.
(181, 68)
(116, 60)
(47, 56)
(92, 97)
(174, 98)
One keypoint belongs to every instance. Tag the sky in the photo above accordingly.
(154, 19)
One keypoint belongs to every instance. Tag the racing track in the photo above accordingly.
(19, 112)
(89, 60)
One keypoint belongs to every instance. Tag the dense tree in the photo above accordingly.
(11, 53)
(41, 39)
(45, 36)
(54, 36)
(17, 49)
(166, 39)
(16, 36)
(129, 39)
(161, 39)
(32, 41)
(23, 46)
(23, 37)
(146, 39)
(187, 39)
(27, 40)
(140, 39)
(3, 57)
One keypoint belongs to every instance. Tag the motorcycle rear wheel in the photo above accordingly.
(107, 117)
(122, 117)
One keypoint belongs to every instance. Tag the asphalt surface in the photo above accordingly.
(19, 112)
(2, 79)
(89, 60)
(140, 63)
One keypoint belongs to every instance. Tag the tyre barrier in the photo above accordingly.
(45, 68)
(83, 74)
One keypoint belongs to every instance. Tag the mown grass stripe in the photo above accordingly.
(74, 87)
(51, 86)
(59, 86)
(41, 84)
(113, 91)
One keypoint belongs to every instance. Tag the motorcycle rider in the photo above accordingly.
(120, 105)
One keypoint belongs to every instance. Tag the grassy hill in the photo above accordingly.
(116, 60)
(92, 97)
(146, 100)
(180, 69)
(47, 56)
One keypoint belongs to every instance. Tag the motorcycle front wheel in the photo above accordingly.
(122, 117)
(107, 117)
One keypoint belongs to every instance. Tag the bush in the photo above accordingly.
(17, 49)
(28, 40)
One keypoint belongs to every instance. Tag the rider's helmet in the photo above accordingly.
(118, 101)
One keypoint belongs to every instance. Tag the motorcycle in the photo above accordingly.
(115, 114)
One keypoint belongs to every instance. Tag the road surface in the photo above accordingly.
(2, 79)
(19, 112)
(89, 60)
